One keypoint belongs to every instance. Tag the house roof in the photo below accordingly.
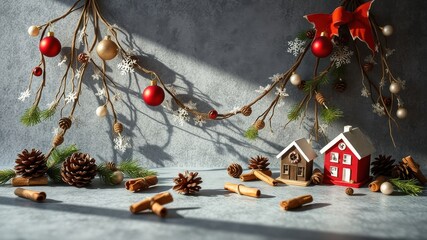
(303, 147)
(358, 143)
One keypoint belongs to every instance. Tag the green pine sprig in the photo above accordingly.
(311, 85)
(6, 175)
(331, 114)
(47, 113)
(54, 173)
(409, 187)
(251, 133)
(295, 113)
(302, 35)
(132, 169)
(59, 155)
(31, 116)
(105, 174)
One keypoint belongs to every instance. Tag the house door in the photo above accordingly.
(293, 172)
(346, 174)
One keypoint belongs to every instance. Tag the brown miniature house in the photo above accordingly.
(296, 163)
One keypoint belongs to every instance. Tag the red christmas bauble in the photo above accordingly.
(50, 45)
(321, 47)
(153, 95)
(213, 114)
(37, 71)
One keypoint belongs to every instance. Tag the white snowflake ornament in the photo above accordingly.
(262, 89)
(71, 97)
(296, 46)
(126, 65)
(378, 109)
(341, 56)
(121, 143)
(101, 93)
(24, 95)
(199, 121)
(365, 92)
(281, 93)
(181, 116)
(276, 77)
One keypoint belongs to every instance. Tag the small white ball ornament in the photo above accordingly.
(401, 112)
(102, 111)
(295, 79)
(33, 31)
(387, 30)
(387, 188)
(394, 87)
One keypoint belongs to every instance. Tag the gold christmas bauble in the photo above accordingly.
(33, 31)
(401, 112)
(107, 49)
(394, 87)
(295, 79)
(102, 111)
(387, 30)
(117, 177)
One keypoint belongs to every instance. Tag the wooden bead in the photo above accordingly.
(118, 127)
(349, 191)
(246, 110)
(259, 124)
(320, 99)
(57, 140)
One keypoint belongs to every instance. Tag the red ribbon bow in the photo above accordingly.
(357, 22)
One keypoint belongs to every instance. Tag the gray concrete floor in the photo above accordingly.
(101, 212)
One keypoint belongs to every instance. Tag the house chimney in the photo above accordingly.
(347, 128)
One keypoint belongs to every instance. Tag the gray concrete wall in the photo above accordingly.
(217, 53)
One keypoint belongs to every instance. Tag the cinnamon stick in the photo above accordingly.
(265, 178)
(154, 203)
(139, 184)
(415, 168)
(21, 181)
(242, 190)
(296, 202)
(30, 194)
(251, 176)
(375, 185)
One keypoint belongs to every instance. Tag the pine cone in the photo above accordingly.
(310, 33)
(368, 66)
(382, 166)
(30, 164)
(259, 163)
(65, 123)
(340, 85)
(83, 58)
(317, 177)
(402, 171)
(349, 191)
(187, 183)
(302, 85)
(387, 101)
(111, 166)
(78, 169)
(235, 170)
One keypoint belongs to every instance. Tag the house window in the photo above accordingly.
(334, 157)
(285, 169)
(334, 171)
(347, 159)
(300, 171)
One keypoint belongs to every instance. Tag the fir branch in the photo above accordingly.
(6, 175)
(31, 116)
(409, 187)
(54, 173)
(338, 72)
(295, 113)
(105, 174)
(47, 113)
(302, 35)
(132, 169)
(251, 133)
(331, 114)
(60, 154)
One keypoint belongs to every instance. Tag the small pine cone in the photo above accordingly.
(368, 66)
(259, 163)
(382, 166)
(78, 169)
(340, 85)
(302, 85)
(111, 166)
(320, 99)
(30, 164)
(402, 171)
(118, 127)
(83, 58)
(235, 170)
(259, 124)
(310, 33)
(57, 140)
(317, 177)
(187, 183)
(65, 123)
(387, 101)
(349, 191)
(246, 110)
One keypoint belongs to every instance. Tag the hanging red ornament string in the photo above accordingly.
(357, 22)
(153, 95)
(50, 45)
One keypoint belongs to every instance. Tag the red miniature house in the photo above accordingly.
(347, 158)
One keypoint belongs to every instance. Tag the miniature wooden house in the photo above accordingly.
(296, 163)
(347, 158)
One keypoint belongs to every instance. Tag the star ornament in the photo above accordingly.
(357, 22)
